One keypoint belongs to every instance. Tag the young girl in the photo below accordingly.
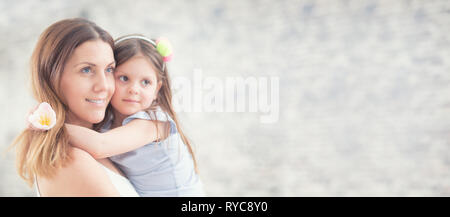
(140, 132)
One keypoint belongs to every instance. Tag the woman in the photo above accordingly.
(72, 70)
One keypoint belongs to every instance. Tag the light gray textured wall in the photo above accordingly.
(364, 89)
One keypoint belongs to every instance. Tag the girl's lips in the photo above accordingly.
(130, 100)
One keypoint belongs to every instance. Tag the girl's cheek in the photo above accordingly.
(118, 91)
(117, 86)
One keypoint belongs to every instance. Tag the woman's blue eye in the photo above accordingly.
(123, 78)
(110, 69)
(145, 82)
(86, 70)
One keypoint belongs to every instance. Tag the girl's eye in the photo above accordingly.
(86, 70)
(110, 69)
(145, 82)
(123, 78)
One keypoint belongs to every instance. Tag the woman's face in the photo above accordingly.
(87, 82)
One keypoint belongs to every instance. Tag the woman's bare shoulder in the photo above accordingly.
(81, 176)
(80, 157)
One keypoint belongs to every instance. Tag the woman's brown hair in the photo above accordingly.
(43, 152)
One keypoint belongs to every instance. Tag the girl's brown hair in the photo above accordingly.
(43, 152)
(125, 50)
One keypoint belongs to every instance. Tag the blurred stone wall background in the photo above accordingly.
(364, 89)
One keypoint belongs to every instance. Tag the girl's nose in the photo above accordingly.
(133, 89)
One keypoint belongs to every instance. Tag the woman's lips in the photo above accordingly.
(96, 102)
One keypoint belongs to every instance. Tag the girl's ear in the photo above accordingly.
(157, 89)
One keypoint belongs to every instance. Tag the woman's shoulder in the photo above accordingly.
(82, 175)
(78, 155)
(80, 162)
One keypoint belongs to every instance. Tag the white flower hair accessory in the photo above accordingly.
(44, 118)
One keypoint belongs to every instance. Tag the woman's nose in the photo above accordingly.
(101, 83)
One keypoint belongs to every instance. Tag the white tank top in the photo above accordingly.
(121, 183)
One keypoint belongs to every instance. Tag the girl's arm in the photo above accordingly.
(119, 140)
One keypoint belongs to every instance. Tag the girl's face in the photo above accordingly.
(87, 82)
(136, 86)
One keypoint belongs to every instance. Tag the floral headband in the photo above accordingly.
(162, 45)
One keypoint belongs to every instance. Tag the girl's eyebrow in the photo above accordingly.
(150, 78)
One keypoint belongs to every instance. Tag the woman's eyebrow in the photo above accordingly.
(91, 64)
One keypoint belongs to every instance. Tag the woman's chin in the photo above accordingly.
(96, 118)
